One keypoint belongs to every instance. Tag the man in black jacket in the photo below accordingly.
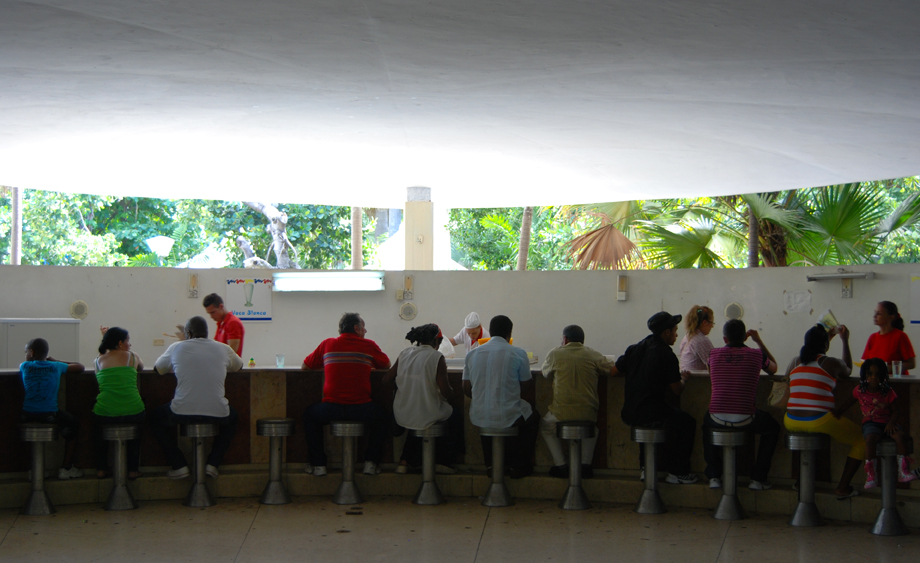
(651, 368)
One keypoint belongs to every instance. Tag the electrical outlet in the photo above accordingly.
(846, 290)
(158, 342)
(400, 294)
(407, 294)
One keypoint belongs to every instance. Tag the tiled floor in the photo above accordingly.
(393, 529)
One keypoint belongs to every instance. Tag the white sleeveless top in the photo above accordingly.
(418, 403)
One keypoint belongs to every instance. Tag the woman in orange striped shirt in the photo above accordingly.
(813, 377)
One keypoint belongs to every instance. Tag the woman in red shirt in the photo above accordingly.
(890, 343)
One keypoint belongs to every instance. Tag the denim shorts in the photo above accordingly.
(873, 427)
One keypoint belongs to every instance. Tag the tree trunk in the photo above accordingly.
(753, 240)
(277, 228)
(524, 246)
(16, 234)
(357, 240)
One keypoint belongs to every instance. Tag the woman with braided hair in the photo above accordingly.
(422, 397)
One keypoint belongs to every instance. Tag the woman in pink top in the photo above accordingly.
(813, 377)
(890, 343)
(695, 347)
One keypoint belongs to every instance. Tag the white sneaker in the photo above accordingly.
(72, 473)
(180, 473)
(402, 469)
(370, 468)
(642, 475)
(715, 483)
(687, 479)
(443, 469)
(211, 471)
(318, 471)
(760, 485)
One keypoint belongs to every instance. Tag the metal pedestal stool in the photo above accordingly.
(199, 496)
(348, 492)
(889, 522)
(575, 431)
(729, 508)
(428, 492)
(38, 503)
(276, 429)
(807, 444)
(120, 498)
(650, 502)
(498, 494)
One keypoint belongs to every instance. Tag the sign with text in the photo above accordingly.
(249, 299)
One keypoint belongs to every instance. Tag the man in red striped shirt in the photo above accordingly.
(347, 362)
(735, 373)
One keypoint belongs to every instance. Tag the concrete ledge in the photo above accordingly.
(615, 488)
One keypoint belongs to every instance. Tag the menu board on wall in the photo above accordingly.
(249, 299)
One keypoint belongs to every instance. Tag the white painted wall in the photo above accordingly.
(149, 301)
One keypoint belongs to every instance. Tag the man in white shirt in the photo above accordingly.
(471, 333)
(201, 367)
(494, 377)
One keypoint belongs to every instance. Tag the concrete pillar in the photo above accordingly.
(357, 239)
(419, 229)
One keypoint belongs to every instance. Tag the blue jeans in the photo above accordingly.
(319, 414)
(163, 419)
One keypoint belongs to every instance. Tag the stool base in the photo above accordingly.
(806, 515)
(348, 493)
(575, 499)
(498, 495)
(889, 523)
(729, 509)
(275, 493)
(428, 494)
(120, 499)
(199, 496)
(38, 504)
(650, 502)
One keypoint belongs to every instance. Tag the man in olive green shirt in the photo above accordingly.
(574, 369)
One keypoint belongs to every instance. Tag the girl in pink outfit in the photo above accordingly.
(880, 417)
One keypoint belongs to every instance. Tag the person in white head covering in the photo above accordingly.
(471, 333)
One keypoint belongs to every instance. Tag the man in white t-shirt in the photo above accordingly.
(471, 333)
(201, 366)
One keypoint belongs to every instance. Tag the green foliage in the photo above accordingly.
(489, 238)
(90, 230)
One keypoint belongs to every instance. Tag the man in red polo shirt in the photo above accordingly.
(347, 362)
(229, 327)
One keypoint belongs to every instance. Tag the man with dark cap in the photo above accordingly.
(651, 368)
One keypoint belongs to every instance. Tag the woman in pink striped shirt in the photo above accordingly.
(813, 377)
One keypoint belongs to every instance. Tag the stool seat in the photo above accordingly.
(650, 501)
(889, 522)
(808, 444)
(113, 432)
(498, 432)
(575, 429)
(199, 430)
(800, 441)
(436, 430)
(729, 507)
(428, 492)
(120, 497)
(724, 437)
(345, 428)
(646, 435)
(37, 432)
(348, 430)
(275, 427)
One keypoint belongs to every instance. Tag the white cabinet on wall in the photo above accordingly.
(63, 336)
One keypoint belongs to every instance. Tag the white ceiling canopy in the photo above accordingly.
(488, 102)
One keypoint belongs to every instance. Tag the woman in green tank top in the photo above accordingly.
(119, 401)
